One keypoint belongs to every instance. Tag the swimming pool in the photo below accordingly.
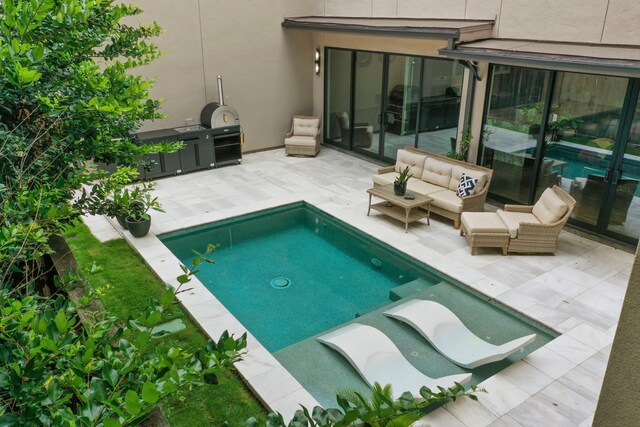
(293, 272)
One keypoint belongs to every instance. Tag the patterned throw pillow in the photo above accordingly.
(467, 186)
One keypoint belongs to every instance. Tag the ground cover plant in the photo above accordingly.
(124, 284)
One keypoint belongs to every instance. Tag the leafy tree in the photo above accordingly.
(67, 96)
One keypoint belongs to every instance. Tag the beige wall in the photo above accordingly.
(618, 403)
(592, 21)
(265, 76)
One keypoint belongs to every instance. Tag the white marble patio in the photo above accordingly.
(577, 292)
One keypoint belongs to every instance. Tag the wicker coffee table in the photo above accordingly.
(398, 207)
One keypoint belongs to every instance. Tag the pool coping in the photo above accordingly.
(281, 392)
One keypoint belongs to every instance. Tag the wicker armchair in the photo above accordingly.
(304, 137)
(538, 237)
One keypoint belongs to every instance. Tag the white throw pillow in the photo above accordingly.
(467, 186)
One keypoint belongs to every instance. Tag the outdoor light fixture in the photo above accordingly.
(316, 61)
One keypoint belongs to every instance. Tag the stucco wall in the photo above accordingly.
(592, 21)
(618, 403)
(264, 76)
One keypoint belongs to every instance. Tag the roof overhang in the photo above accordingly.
(461, 30)
(583, 57)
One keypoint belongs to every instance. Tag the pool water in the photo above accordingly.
(294, 272)
(291, 273)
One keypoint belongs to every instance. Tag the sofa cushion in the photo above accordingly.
(306, 141)
(305, 127)
(422, 187)
(385, 178)
(413, 160)
(550, 207)
(447, 200)
(456, 174)
(467, 186)
(513, 219)
(437, 172)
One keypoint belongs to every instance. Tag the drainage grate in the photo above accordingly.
(280, 283)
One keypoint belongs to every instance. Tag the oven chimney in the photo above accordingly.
(220, 92)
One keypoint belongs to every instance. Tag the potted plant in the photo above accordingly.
(400, 184)
(110, 195)
(138, 220)
(465, 142)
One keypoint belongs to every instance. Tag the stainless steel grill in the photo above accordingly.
(224, 121)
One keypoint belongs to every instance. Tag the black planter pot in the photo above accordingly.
(121, 220)
(400, 189)
(138, 228)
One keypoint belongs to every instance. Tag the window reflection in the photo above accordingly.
(512, 126)
(440, 105)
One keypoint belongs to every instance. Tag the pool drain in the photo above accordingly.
(280, 283)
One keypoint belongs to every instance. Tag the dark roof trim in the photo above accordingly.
(377, 26)
(542, 60)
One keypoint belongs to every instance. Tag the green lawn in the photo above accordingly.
(124, 284)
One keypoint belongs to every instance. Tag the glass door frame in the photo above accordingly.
(384, 102)
(614, 170)
(614, 174)
(382, 107)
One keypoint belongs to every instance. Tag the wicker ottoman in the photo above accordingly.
(484, 230)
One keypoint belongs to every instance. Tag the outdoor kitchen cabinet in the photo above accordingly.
(166, 164)
(227, 145)
(197, 152)
(203, 148)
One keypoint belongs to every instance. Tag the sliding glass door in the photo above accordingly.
(578, 131)
(439, 105)
(377, 103)
(512, 128)
(367, 106)
(403, 89)
(338, 97)
(624, 201)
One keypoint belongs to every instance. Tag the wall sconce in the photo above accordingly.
(316, 61)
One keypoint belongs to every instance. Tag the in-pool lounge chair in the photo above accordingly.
(446, 332)
(377, 359)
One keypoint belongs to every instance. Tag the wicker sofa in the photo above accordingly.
(438, 177)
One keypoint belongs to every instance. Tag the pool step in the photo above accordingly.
(409, 288)
(370, 309)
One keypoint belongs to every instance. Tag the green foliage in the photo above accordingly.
(379, 410)
(403, 176)
(465, 142)
(56, 371)
(189, 272)
(124, 284)
(67, 97)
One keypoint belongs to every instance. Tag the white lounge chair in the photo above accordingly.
(446, 332)
(377, 359)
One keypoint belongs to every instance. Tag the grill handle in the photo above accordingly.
(220, 92)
